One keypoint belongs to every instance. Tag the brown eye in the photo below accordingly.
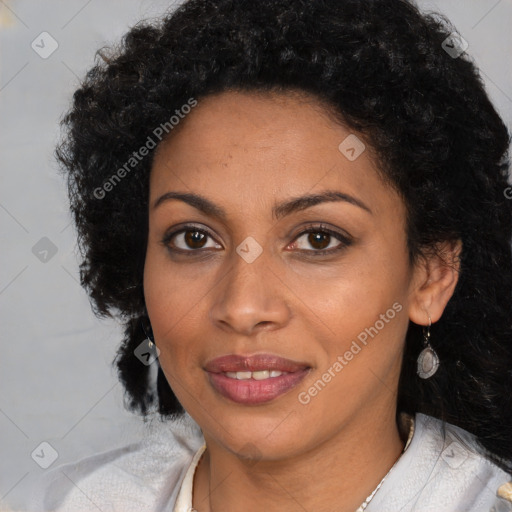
(319, 240)
(195, 239)
(316, 241)
(190, 239)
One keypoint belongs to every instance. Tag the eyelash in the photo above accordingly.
(345, 240)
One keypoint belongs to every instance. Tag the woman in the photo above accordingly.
(298, 210)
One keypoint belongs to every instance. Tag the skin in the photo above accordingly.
(246, 152)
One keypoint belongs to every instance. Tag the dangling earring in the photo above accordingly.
(428, 360)
(148, 331)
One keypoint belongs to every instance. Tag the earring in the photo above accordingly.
(148, 331)
(428, 360)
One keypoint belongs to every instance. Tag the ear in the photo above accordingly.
(435, 277)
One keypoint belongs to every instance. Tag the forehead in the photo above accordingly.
(244, 148)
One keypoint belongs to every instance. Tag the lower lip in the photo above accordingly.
(251, 391)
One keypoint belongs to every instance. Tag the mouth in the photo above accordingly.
(254, 379)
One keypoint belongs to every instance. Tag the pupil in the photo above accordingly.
(319, 240)
(195, 239)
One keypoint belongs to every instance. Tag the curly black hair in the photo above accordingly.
(383, 69)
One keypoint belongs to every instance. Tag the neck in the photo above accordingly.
(338, 474)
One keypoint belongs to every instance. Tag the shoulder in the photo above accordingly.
(464, 471)
(444, 470)
(143, 475)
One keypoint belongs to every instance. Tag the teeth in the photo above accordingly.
(259, 375)
(263, 374)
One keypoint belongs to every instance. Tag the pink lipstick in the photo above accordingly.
(254, 379)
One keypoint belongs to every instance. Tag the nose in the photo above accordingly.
(249, 299)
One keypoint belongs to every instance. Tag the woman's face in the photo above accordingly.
(279, 244)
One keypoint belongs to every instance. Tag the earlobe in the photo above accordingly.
(435, 278)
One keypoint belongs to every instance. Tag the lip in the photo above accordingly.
(258, 362)
(251, 391)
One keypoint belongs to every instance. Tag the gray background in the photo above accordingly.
(56, 380)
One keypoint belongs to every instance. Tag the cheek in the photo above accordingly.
(177, 299)
(361, 309)
(351, 295)
(172, 290)
(170, 297)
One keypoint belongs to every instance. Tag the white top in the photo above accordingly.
(435, 474)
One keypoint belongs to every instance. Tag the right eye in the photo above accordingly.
(189, 239)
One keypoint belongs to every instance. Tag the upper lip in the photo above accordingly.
(254, 363)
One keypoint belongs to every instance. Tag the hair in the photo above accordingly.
(379, 66)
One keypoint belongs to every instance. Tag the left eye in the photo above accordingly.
(321, 240)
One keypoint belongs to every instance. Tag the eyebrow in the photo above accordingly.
(278, 211)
